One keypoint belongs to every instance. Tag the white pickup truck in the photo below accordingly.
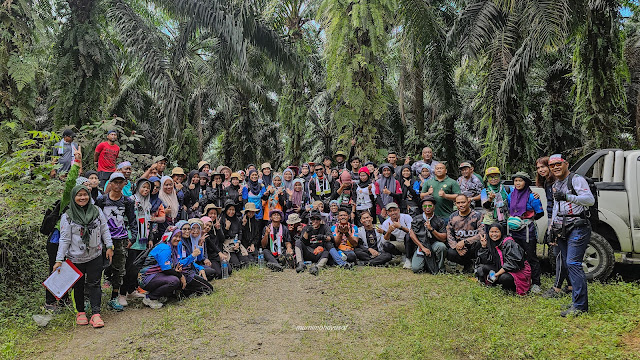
(616, 174)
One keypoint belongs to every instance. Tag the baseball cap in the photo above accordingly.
(392, 205)
(465, 164)
(116, 175)
(159, 158)
(315, 214)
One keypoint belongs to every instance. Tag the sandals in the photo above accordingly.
(96, 321)
(81, 318)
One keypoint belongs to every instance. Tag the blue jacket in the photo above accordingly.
(162, 254)
(256, 199)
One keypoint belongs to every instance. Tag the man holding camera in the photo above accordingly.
(571, 227)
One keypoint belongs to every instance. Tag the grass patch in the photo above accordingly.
(387, 313)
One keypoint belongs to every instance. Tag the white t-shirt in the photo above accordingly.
(405, 221)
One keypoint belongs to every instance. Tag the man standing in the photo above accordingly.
(105, 157)
(463, 233)
(126, 170)
(320, 187)
(470, 184)
(121, 219)
(427, 158)
(63, 153)
(443, 189)
(431, 234)
(571, 200)
(396, 233)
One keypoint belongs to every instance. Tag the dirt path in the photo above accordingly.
(255, 314)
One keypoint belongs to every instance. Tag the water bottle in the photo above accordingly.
(225, 269)
(235, 240)
(492, 276)
(342, 255)
(260, 260)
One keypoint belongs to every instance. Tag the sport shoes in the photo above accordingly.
(407, 264)
(137, 294)
(346, 266)
(572, 311)
(115, 305)
(122, 299)
(535, 289)
(154, 304)
(275, 267)
(314, 270)
(551, 293)
(301, 267)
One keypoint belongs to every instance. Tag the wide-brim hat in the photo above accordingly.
(250, 207)
(339, 153)
(294, 219)
(159, 158)
(211, 206)
(177, 171)
(524, 176)
(203, 163)
(222, 167)
(265, 166)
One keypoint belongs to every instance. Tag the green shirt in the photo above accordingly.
(444, 207)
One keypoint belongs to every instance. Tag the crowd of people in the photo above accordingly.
(171, 232)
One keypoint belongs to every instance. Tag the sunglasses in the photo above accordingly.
(319, 169)
(555, 165)
(427, 205)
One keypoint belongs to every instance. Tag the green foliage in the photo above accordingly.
(22, 70)
(25, 193)
(90, 135)
(183, 151)
(357, 33)
(600, 72)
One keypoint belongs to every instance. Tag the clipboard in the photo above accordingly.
(62, 279)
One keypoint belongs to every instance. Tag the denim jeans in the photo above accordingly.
(573, 250)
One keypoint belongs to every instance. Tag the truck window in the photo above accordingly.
(595, 171)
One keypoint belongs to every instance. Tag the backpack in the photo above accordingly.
(592, 211)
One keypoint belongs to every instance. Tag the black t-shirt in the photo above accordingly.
(308, 232)
(372, 239)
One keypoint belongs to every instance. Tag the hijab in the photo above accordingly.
(519, 199)
(267, 179)
(296, 196)
(170, 200)
(273, 202)
(154, 199)
(288, 184)
(175, 250)
(195, 240)
(82, 215)
(386, 183)
(364, 184)
(143, 209)
(254, 186)
(94, 192)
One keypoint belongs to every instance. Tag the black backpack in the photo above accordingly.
(592, 211)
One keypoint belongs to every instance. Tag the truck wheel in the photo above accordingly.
(599, 258)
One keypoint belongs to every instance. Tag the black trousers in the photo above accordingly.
(530, 250)
(130, 279)
(505, 280)
(468, 258)
(91, 274)
(52, 251)
(308, 255)
(382, 258)
(197, 286)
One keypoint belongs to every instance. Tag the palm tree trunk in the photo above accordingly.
(418, 100)
(198, 119)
